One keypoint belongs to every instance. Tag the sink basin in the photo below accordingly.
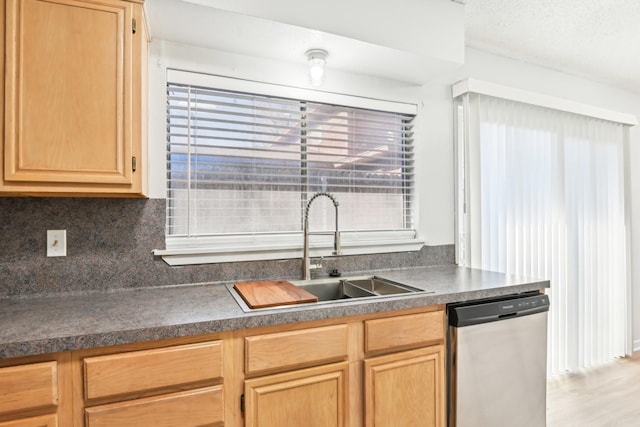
(334, 289)
(380, 286)
(354, 288)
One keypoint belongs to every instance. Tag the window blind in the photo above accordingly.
(543, 196)
(240, 163)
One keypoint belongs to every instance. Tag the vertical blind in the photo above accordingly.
(544, 197)
(241, 163)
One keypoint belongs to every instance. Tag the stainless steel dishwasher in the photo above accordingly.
(497, 362)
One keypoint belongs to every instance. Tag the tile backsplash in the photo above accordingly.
(109, 244)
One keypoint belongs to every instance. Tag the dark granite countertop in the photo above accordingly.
(30, 326)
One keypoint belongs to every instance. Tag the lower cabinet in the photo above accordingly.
(383, 370)
(36, 391)
(180, 385)
(378, 369)
(404, 371)
(313, 397)
(303, 377)
(405, 389)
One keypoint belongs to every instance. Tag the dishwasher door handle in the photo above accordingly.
(506, 316)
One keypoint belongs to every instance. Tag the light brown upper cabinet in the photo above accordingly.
(74, 98)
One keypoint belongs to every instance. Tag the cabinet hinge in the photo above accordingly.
(134, 26)
(134, 164)
(242, 404)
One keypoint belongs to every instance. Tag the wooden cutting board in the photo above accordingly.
(270, 293)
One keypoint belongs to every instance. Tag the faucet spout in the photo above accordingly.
(306, 266)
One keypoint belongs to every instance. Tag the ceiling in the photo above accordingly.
(595, 39)
(414, 50)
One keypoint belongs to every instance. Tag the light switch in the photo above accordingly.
(56, 243)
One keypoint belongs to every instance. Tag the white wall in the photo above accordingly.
(434, 126)
(432, 28)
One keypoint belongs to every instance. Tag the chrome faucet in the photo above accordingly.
(306, 265)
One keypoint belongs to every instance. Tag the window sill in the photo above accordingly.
(206, 255)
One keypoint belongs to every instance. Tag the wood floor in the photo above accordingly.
(607, 396)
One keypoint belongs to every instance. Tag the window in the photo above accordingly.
(241, 167)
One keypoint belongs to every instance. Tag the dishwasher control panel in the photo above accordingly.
(483, 311)
(516, 305)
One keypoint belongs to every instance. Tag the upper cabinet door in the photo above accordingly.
(71, 86)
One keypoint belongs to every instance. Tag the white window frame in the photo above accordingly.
(269, 246)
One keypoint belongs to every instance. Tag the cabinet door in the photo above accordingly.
(69, 96)
(406, 389)
(314, 397)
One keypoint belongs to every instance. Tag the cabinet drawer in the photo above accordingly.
(194, 408)
(44, 421)
(295, 349)
(412, 330)
(28, 387)
(145, 370)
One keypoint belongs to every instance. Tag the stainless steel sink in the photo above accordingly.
(336, 289)
(333, 291)
(380, 286)
(355, 288)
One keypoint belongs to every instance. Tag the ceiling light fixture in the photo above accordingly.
(317, 60)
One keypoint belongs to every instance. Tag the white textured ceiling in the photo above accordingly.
(595, 39)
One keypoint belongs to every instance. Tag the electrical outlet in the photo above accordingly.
(56, 243)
